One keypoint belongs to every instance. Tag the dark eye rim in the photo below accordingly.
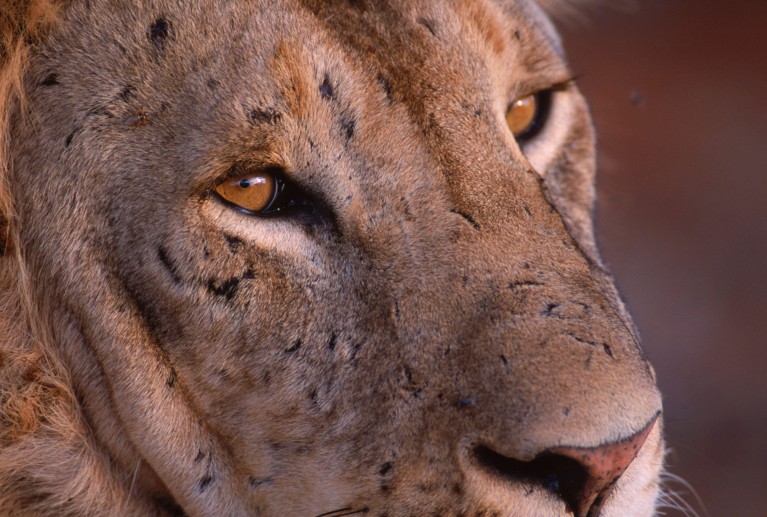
(543, 100)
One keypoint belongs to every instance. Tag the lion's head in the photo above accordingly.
(308, 257)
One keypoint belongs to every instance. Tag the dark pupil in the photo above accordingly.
(245, 183)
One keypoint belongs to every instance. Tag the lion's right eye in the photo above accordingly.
(254, 193)
(266, 193)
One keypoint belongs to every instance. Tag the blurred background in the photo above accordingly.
(678, 90)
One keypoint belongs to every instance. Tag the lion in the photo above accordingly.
(308, 258)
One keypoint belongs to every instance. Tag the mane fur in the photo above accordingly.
(49, 464)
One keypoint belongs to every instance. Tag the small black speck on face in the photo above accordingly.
(468, 218)
(608, 349)
(68, 141)
(51, 80)
(234, 243)
(528, 212)
(171, 381)
(356, 347)
(226, 289)
(518, 35)
(386, 86)
(521, 284)
(467, 403)
(294, 347)
(385, 468)
(327, 92)
(429, 25)
(168, 264)
(200, 456)
(548, 311)
(256, 482)
(159, 32)
(126, 93)
(205, 482)
(332, 341)
(264, 116)
(505, 364)
(348, 125)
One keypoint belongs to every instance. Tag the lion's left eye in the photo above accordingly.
(527, 115)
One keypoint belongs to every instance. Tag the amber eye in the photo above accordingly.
(254, 193)
(527, 114)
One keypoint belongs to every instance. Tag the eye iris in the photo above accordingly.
(253, 193)
(521, 114)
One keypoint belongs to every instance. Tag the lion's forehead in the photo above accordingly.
(217, 64)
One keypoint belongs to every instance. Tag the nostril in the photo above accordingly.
(559, 475)
(581, 476)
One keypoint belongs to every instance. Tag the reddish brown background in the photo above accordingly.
(679, 96)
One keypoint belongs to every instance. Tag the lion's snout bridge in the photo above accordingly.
(558, 445)
(574, 428)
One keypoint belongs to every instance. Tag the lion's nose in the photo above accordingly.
(581, 476)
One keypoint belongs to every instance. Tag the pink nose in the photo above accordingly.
(581, 476)
(603, 465)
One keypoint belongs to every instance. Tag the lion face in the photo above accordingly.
(409, 317)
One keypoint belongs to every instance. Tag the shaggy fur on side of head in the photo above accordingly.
(47, 457)
(23, 23)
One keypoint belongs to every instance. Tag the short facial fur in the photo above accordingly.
(444, 297)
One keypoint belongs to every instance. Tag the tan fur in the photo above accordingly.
(161, 353)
